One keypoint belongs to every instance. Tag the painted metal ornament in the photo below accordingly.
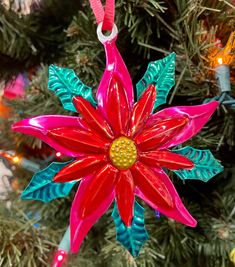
(120, 147)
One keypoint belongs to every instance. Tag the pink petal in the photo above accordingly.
(41, 126)
(198, 117)
(178, 212)
(114, 66)
(94, 196)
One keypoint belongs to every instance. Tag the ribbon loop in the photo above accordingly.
(105, 16)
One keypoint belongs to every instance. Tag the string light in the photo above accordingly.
(223, 55)
(58, 154)
(20, 161)
(16, 159)
(220, 60)
(60, 258)
(10, 156)
(63, 250)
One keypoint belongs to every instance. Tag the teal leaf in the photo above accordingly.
(133, 237)
(160, 73)
(65, 83)
(42, 187)
(205, 165)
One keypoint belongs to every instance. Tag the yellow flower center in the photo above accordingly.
(123, 153)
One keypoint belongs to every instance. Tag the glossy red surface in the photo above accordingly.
(80, 226)
(79, 141)
(92, 116)
(178, 211)
(102, 184)
(142, 110)
(166, 159)
(197, 117)
(151, 185)
(158, 134)
(118, 110)
(125, 196)
(80, 168)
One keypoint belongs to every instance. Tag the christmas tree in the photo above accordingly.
(36, 34)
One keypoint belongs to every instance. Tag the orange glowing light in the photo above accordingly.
(223, 55)
(11, 157)
(16, 159)
(220, 60)
(4, 111)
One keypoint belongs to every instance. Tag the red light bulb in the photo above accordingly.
(58, 154)
(59, 258)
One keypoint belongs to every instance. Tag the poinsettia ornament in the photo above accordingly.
(120, 148)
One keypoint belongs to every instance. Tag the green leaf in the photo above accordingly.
(206, 166)
(133, 237)
(160, 73)
(66, 85)
(42, 187)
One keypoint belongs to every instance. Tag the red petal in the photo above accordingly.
(158, 134)
(101, 185)
(151, 185)
(197, 117)
(117, 108)
(166, 159)
(125, 196)
(178, 211)
(79, 142)
(79, 226)
(142, 109)
(40, 126)
(92, 117)
(80, 168)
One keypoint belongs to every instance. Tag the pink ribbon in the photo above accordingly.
(106, 16)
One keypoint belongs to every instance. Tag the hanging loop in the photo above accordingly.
(103, 38)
